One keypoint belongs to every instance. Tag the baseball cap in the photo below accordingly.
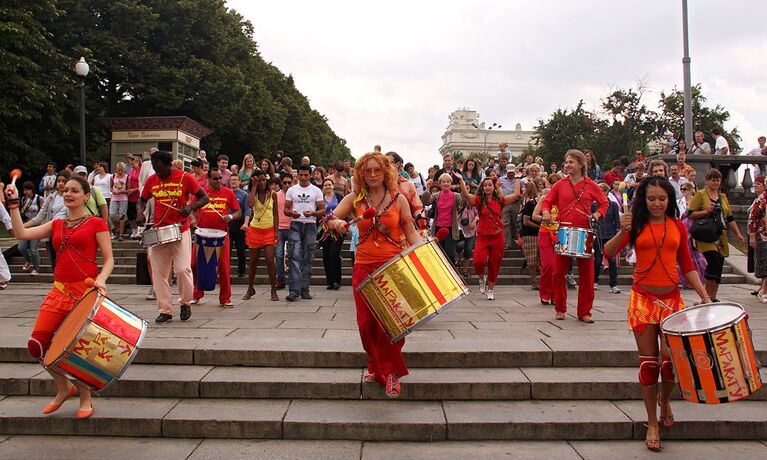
(510, 168)
(81, 170)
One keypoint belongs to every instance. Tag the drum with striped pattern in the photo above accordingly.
(411, 288)
(713, 353)
(96, 342)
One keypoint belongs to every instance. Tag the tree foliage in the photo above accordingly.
(147, 58)
(625, 124)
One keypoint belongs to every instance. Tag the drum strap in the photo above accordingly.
(569, 207)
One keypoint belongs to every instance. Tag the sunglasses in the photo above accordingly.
(215, 178)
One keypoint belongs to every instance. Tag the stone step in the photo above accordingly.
(125, 448)
(379, 420)
(425, 384)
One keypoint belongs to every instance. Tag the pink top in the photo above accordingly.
(285, 221)
(445, 209)
(133, 184)
(119, 183)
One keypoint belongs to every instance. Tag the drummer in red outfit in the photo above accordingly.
(572, 198)
(171, 189)
(380, 239)
(77, 240)
(221, 209)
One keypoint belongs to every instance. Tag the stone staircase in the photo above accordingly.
(511, 272)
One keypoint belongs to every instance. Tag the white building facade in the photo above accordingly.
(466, 134)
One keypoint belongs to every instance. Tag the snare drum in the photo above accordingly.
(712, 352)
(411, 288)
(209, 243)
(574, 242)
(160, 235)
(96, 342)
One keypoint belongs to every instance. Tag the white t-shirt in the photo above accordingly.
(700, 149)
(678, 185)
(304, 199)
(721, 143)
(104, 184)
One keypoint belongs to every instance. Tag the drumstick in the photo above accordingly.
(171, 207)
(367, 215)
(15, 174)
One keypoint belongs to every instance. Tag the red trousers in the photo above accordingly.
(585, 284)
(546, 257)
(489, 249)
(384, 357)
(224, 280)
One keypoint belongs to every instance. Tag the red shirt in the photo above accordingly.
(76, 258)
(174, 191)
(573, 201)
(610, 176)
(133, 184)
(222, 201)
(490, 222)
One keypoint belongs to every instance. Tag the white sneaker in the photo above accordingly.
(762, 298)
(615, 290)
(596, 286)
(482, 285)
(571, 280)
(490, 295)
(151, 295)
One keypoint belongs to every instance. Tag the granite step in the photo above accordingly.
(425, 384)
(379, 420)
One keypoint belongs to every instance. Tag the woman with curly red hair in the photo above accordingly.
(380, 239)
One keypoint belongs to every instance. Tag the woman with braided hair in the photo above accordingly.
(380, 239)
(660, 240)
(77, 238)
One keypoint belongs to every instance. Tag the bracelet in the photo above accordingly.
(12, 200)
(12, 206)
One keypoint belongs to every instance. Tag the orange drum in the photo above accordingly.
(712, 352)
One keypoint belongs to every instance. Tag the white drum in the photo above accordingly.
(161, 235)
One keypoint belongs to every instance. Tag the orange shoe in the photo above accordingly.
(81, 414)
(52, 407)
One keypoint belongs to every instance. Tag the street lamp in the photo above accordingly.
(686, 76)
(486, 132)
(81, 69)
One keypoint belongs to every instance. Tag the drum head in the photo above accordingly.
(703, 318)
(210, 233)
(71, 326)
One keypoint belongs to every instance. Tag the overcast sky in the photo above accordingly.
(391, 72)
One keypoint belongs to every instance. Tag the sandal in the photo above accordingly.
(560, 316)
(652, 441)
(368, 377)
(275, 297)
(666, 421)
(392, 386)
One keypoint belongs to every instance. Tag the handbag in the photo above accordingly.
(708, 229)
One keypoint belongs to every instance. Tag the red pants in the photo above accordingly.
(546, 257)
(489, 249)
(224, 280)
(55, 307)
(384, 357)
(585, 284)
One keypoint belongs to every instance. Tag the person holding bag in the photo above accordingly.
(710, 211)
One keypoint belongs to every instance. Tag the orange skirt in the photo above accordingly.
(259, 237)
(643, 308)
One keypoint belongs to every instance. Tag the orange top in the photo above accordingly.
(673, 252)
(374, 247)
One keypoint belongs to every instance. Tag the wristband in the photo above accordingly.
(12, 200)
(230, 217)
(12, 206)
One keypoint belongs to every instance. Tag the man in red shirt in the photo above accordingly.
(216, 215)
(614, 173)
(572, 197)
(171, 189)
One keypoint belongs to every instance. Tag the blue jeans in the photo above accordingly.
(30, 251)
(279, 252)
(303, 238)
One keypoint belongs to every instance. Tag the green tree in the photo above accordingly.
(566, 129)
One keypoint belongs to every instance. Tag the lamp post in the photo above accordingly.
(81, 69)
(486, 132)
(686, 75)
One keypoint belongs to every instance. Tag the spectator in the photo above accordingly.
(102, 181)
(688, 190)
(53, 208)
(237, 227)
(510, 210)
(592, 168)
(471, 174)
(757, 236)
(341, 184)
(529, 232)
(305, 160)
(118, 207)
(48, 182)
(447, 167)
(676, 181)
(133, 192)
(96, 204)
(318, 175)
(287, 165)
(416, 178)
(262, 231)
(331, 242)
(607, 228)
(198, 173)
(710, 202)
(446, 205)
(553, 168)
(614, 173)
(699, 146)
(30, 205)
(283, 230)
(467, 226)
(658, 168)
(722, 147)
(268, 168)
(223, 163)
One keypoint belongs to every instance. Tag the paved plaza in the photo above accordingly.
(489, 379)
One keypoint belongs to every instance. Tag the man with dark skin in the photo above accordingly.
(171, 189)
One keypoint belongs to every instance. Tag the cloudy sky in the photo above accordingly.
(391, 72)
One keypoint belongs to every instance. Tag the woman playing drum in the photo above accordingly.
(659, 239)
(380, 239)
(489, 247)
(76, 240)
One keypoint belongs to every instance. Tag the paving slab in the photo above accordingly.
(465, 450)
(365, 420)
(113, 448)
(111, 417)
(739, 420)
(479, 353)
(216, 449)
(232, 324)
(420, 334)
(535, 420)
(672, 450)
(255, 351)
(584, 350)
(344, 324)
(267, 382)
(14, 377)
(603, 383)
(283, 334)
(225, 418)
(457, 384)
(167, 350)
(188, 333)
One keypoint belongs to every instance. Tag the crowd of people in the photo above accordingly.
(645, 213)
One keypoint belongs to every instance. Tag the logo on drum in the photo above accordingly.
(702, 360)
